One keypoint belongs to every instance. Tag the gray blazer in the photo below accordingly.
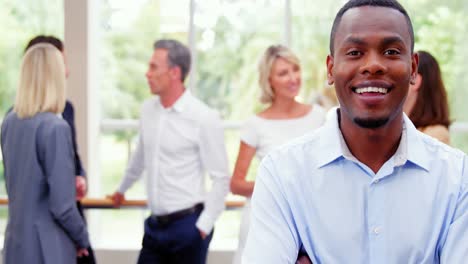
(44, 225)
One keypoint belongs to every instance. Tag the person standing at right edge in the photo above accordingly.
(367, 187)
(180, 139)
(427, 104)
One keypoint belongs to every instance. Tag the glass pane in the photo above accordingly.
(128, 31)
(3, 223)
(230, 38)
(124, 55)
(175, 19)
(115, 150)
(310, 26)
(116, 228)
(460, 140)
(19, 22)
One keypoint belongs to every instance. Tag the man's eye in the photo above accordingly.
(391, 52)
(354, 53)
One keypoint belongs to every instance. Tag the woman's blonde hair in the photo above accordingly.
(42, 82)
(266, 63)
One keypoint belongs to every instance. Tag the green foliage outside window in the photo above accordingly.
(19, 22)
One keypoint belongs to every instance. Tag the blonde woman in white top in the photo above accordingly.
(284, 119)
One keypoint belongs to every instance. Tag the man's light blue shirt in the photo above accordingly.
(313, 193)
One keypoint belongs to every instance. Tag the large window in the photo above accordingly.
(231, 37)
(227, 39)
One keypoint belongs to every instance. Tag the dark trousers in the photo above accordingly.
(90, 259)
(176, 242)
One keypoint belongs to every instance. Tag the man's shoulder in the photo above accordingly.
(202, 107)
(150, 107)
(150, 102)
(291, 162)
(442, 157)
(200, 112)
(436, 148)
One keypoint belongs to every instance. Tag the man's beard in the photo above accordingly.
(370, 123)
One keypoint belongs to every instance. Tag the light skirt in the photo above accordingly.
(243, 231)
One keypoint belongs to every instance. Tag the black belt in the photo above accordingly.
(169, 218)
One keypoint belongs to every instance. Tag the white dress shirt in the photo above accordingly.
(176, 146)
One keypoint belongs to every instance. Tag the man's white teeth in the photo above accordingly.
(371, 90)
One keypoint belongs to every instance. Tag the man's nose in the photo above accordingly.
(373, 64)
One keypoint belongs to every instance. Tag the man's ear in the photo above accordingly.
(330, 64)
(416, 84)
(414, 68)
(176, 73)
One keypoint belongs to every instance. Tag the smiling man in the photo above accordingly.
(367, 187)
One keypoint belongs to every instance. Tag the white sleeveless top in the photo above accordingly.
(265, 134)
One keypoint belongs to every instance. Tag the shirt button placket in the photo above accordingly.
(157, 158)
(375, 220)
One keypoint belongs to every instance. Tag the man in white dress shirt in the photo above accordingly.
(180, 139)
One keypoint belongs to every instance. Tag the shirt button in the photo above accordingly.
(377, 230)
(377, 181)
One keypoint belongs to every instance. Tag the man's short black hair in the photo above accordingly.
(380, 3)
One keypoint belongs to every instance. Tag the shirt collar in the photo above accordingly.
(416, 147)
(330, 140)
(181, 103)
(411, 146)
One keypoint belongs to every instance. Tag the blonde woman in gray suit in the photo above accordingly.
(44, 225)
